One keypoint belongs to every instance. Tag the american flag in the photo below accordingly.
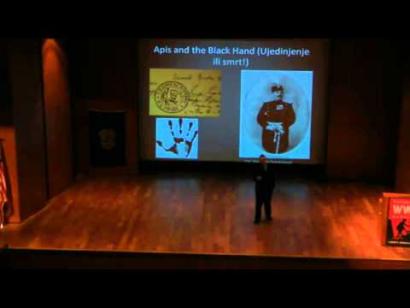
(3, 186)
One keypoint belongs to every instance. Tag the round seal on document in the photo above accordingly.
(171, 96)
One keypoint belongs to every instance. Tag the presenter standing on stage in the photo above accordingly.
(264, 177)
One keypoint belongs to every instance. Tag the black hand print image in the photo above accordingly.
(182, 135)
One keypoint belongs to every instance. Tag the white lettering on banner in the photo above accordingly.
(401, 209)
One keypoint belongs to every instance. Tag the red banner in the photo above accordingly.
(399, 220)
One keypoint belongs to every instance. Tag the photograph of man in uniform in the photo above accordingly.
(275, 114)
(275, 117)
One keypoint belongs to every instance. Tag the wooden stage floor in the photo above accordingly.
(210, 214)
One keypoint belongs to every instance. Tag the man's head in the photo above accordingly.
(262, 159)
(277, 91)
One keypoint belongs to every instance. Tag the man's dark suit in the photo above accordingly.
(264, 186)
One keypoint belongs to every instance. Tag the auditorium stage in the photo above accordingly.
(210, 214)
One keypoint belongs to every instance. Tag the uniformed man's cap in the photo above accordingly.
(276, 87)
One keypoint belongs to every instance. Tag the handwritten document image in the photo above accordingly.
(185, 92)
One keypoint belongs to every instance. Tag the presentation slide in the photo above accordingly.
(233, 100)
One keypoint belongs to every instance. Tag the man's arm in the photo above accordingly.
(262, 118)
(291, 116)
(257, 177)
